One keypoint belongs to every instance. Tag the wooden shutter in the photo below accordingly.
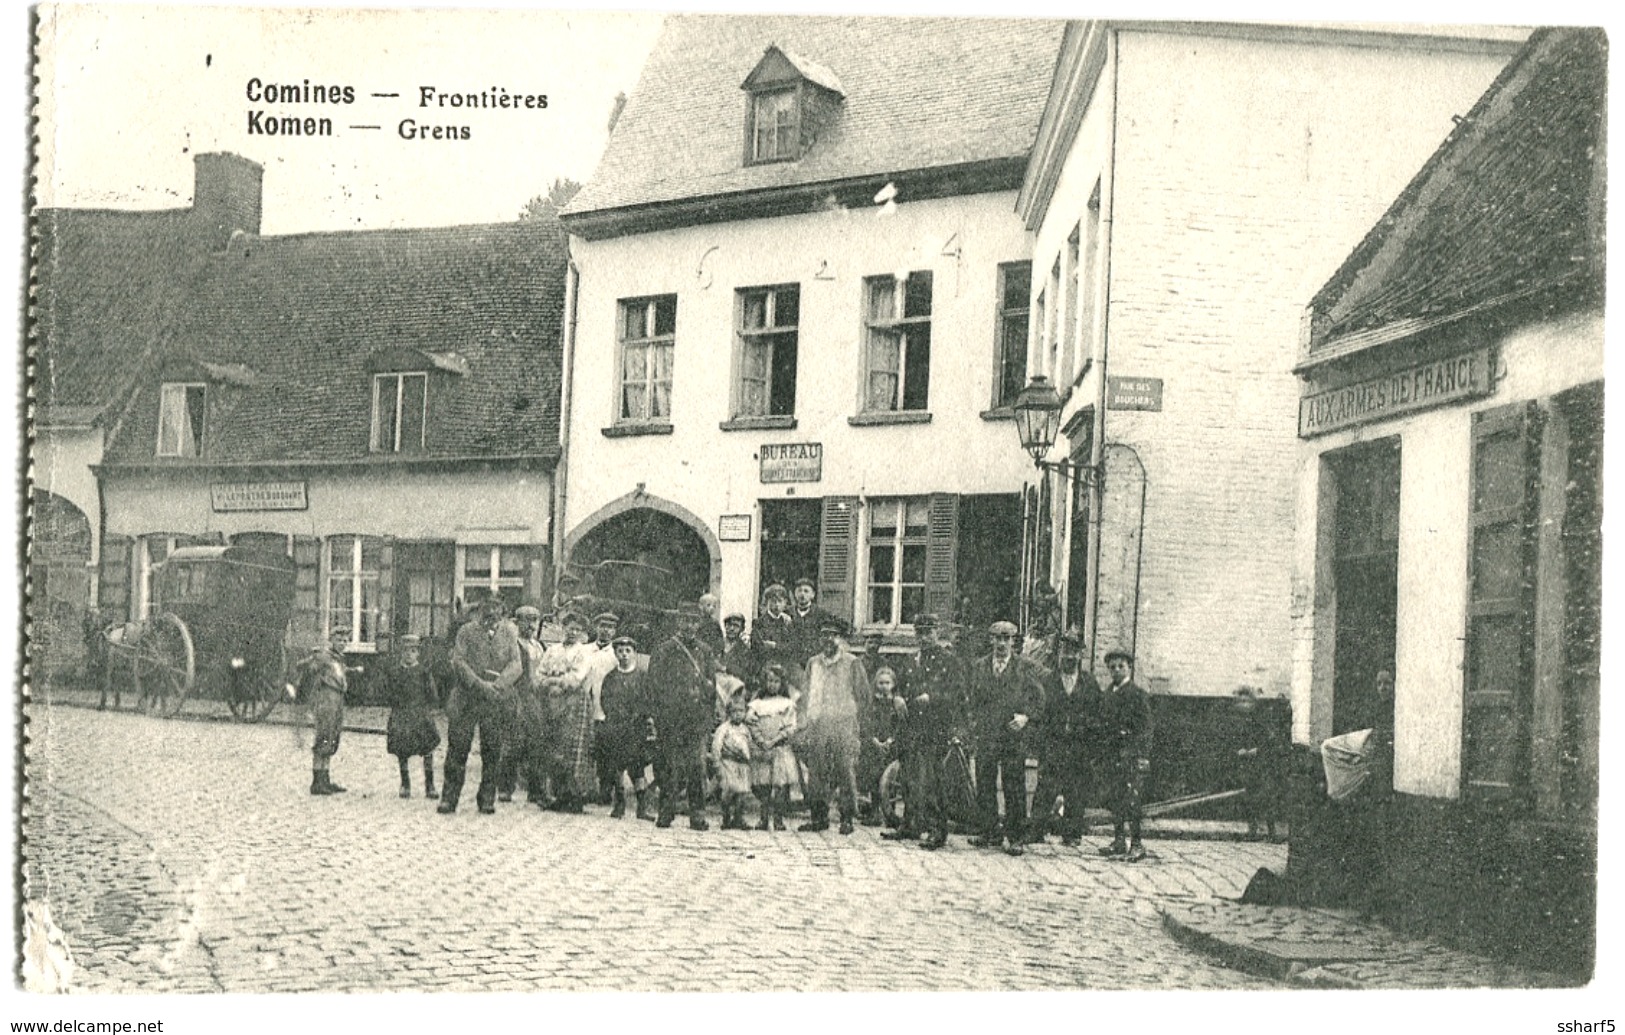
(386, 593)
(1499, 687)
(307, 596)
(113, 578)
(837, 555)
(942, 556)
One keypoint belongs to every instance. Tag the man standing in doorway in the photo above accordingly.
(683, 688)
(1127, 715)
(488, 664)
(1069, 743)
(826, 739)
(1004, 699)
(805, 619)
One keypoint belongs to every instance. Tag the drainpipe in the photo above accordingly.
(1097, 447)
(561, 470)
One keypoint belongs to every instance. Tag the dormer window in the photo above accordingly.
(180, 420)
(399, 405)
(790, 100)
(775, 125)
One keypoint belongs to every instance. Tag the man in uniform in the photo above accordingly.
(931, 703)
(487, 661)
(1127, 715)
(1004, 698)
(1069, 743)
(324, 679)
(682, 688)
(826, 738)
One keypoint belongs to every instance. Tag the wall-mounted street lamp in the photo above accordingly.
(1038, 419)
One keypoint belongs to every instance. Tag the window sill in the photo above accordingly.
(634, 430)
(771, 423)
(999, 413)
(865, 420)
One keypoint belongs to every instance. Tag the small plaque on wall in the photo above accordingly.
(734, 528)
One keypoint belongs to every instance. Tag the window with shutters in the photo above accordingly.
(492, 571)
(399, 412)
(897, 349)
(648, 342)
(899, 530)
(1500, 605)
(1015, 301)
(180, 420)
(354, 599)
(767, 342)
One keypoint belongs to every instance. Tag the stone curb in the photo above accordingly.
(1244, 957)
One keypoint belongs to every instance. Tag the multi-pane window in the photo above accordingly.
(767, 343)
(897, 317)
(899, 530)
(1015, 292)
(774, 125)
(1052, 309)
(492, 571)
(180, 420)
(399, 404)
(1069, 321)
(353, 563)
(648, 337)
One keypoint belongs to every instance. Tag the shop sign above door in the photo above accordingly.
(792, 462)
(1463, 376)
(245, 496)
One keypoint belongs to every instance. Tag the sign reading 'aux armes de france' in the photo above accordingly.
(1463, 376)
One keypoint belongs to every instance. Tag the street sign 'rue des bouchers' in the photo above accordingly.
(792, 462)
(1134, 393)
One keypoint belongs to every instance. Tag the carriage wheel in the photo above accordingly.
(255, 695)
(959, 787)
(164, 665)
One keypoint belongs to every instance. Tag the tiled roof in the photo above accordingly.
(108, 282)
(1509, 207)
(290, 323)
(919, 93)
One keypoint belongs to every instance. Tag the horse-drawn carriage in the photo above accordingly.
(218, 630)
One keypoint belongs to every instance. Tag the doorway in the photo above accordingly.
(1366, 577)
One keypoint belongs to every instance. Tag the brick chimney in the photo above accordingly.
(226, 196)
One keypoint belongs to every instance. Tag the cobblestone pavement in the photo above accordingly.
(182, 856)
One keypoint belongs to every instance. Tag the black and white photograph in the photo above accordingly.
(791, 500)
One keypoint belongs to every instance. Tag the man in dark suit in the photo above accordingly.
(682, 685)
(1069, 741)
(1127, 715)
(932, 706)
(1005, 692)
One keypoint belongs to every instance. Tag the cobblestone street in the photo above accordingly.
(187, 856)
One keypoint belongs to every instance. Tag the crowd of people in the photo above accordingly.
(755, 716)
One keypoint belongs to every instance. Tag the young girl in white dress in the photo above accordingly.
(773, 769)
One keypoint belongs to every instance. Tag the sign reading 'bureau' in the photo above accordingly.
(792, 462)
(1463, 376)
(238, 496)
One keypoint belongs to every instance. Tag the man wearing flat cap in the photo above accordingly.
(932, 707)
(736, 657)
(682, 685)
(1069, 743)
(1004, 699)
(1127, 719)
(524, 735)
(487, 662)
(600, 663)
(622, 739)
(826, 738)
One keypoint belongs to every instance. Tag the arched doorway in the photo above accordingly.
(59, 567)
(640, 557)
